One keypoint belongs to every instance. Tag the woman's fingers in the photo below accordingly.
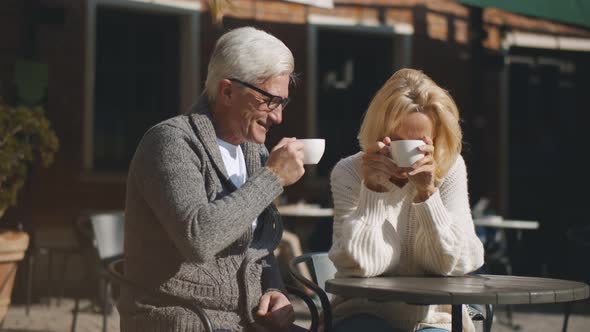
(380, 162)
(428, 168)
(426, 149)
(375, 147)
(402, 172)
(423, 161)
(379, 168)
(379, 147)
(387, 166)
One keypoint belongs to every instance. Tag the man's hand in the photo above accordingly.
(285, 161)
(275, 311)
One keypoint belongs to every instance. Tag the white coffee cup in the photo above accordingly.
(313, 150)
(405, 152)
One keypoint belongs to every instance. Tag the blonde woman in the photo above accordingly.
(411, 221)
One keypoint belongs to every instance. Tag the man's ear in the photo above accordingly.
(224, 92)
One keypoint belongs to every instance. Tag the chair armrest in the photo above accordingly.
(326, 306)
(117, 277)
(487, 324)
(474, 313)
(315, 316)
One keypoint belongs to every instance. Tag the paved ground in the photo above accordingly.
(54, 318)
(57, 318)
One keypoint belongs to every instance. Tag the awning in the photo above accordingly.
(316, 3)
(567, 11)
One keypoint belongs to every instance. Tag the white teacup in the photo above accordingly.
(405, 152)
(313, 150)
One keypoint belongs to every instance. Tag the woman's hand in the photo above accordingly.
(377, 167)
(423, 171)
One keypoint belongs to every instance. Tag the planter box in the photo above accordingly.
(13, 246)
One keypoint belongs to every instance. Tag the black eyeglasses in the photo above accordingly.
(273, 101)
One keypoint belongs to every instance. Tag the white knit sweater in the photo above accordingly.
(379, 234)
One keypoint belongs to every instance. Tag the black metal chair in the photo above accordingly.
(323, 269)
(578, 238)
(42, 244)
(105, 231)
(116, 271)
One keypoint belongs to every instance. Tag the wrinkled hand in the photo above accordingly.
(377, 167)
(275, 312)
(285, 161)
(423, 171)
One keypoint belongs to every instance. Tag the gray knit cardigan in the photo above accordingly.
(188, 230)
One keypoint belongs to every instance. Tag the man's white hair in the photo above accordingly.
(249, 55)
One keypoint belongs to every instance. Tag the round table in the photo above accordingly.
(310, 222)
(473, 289)
(499, 222)
(304, 210)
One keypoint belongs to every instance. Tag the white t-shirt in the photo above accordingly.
(235, 165)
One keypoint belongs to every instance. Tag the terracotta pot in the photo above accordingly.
(13, 245)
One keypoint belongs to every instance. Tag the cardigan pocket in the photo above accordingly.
(207, 296)
(197, 274)
(194, 281)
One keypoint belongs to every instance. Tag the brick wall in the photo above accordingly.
(61, 46)
(442, 14)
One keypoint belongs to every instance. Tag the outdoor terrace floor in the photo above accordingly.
(54, 318)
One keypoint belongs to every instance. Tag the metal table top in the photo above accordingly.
(475, 289)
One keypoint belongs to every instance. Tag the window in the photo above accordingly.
(348, 76)
(137, 66)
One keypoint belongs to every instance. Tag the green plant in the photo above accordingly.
(25, 135)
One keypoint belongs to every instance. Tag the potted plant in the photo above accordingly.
(25, 137)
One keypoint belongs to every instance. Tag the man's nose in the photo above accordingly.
(277, 115)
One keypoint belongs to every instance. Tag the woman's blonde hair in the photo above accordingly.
(410, 90)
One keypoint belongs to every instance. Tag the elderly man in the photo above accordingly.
(200, 222)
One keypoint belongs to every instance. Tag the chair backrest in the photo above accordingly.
(116, 271)
(323, 268)
(478, 210)
(108, 230)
